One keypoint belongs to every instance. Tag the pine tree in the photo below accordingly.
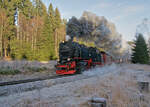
(57, 18)
(8, 7)
(40, 13)
(51, 13)
(58, 31)
(28, 30)
(4, 32)
(20, 44)
(46, 42)
(140, 51)
(40, 8)
(26, 8)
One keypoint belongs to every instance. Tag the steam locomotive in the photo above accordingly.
(76, 58)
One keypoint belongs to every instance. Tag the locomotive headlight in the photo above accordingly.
(89, 54)
(68, 59)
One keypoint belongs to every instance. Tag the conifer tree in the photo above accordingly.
(40, 8)
(8, 7)
(4, 33)
(40, 13)
(28, 30)
(20, 44)
(26, 8)
(140, 51)
(59, 30)
(46, 42)
(57, 18)
(51, 13)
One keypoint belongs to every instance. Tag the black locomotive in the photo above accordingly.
(75, 58)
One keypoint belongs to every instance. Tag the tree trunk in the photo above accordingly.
(5, 52)
(55, 42)
(1, 41)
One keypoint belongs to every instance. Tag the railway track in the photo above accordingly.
(12, 87)
(31, 80)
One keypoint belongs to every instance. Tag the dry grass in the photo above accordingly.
(24, 66)
(138, 67)
(16, 70)
(28, 103)
(119, 90)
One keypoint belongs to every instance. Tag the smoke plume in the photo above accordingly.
(97, 29)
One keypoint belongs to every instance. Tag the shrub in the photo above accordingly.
(36, 69)
(7, 71)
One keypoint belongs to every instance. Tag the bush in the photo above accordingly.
(7, 71)
(35, 69)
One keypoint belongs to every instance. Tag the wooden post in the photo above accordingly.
(98, 102)
(143, 86)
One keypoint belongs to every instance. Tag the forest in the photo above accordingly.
(28, 30)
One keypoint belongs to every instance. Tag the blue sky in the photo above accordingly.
(126, 14)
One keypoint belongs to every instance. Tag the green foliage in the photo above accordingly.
(25, 7)
(21, 52)
(11, 71)
(46, 42)
(40, 8)
(51, 13)
(57, 18)
(8, 71)
(140, 51)
(35, 69)
(37, 33)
